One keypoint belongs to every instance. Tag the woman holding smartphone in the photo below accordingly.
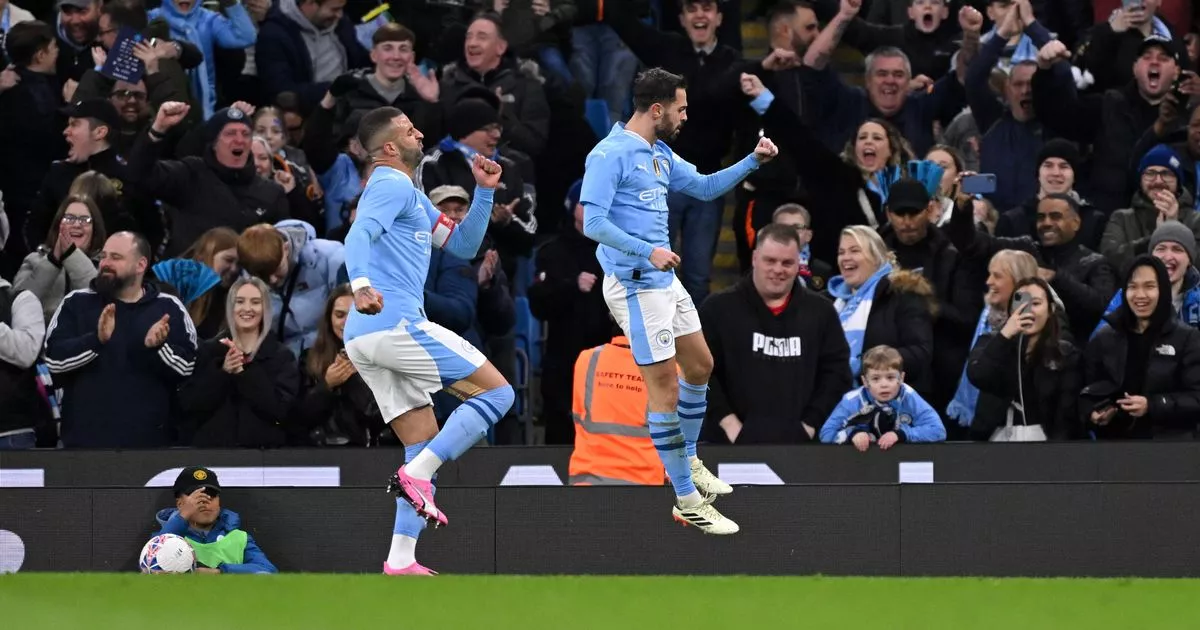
(1143, 370)
(1027, 373)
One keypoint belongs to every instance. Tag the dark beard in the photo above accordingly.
(665, 134)
(109, 285)
(412, 157)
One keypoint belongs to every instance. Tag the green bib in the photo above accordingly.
(230, 549)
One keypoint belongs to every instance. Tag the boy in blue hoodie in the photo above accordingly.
(213, 532)
(884, 409)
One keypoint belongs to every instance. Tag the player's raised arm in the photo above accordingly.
(600, 180)
(463, 240)
(685, 178)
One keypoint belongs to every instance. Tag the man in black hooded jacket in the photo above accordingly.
(218, 189)
(780, 359)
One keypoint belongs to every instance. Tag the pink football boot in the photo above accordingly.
(420, 494)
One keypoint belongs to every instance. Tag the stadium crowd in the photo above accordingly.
(177, 182)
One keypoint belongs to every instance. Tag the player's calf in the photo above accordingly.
(468, 424)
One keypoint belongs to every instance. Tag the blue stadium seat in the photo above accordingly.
(529, 334)
(596, 112)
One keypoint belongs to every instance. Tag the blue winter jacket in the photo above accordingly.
(451, 292)
(253, 560)
(916, 421)
(206, 28)
(316, 263)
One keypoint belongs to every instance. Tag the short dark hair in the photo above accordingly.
(130, 13)
(393, 32)
(288, 102)
(786, 9)
(778, 232)
(1067, 199)
(656, 86)
(374, 123)
(494, 18)
(25, 40)
(683, 4)
(141, 245)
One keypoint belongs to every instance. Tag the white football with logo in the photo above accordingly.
(167, 553)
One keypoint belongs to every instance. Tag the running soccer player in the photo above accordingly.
(625, 187)
(402, 356)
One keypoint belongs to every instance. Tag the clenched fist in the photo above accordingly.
(169, 114)
(765, 151)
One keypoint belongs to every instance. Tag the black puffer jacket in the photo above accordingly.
(246, 409)
(958, 290)
(203, 194)
(1083, 280)
(1113, 122)
(902, 316)
(425, 116)
(1050, 388)
(524, 112)
(1172, 381)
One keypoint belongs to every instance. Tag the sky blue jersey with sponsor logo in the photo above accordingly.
(624, 199)
(389, 244)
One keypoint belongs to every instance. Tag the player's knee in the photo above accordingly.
(698, 371)
(501, 398)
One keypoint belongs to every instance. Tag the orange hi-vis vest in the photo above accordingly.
(612, 442)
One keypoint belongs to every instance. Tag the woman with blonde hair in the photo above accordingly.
(66, 261)
(1006, 270)
(245, 381)
(880, 304)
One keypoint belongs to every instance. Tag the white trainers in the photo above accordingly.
(707, 483)
(707, 518)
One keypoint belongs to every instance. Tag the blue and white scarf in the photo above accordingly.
(449, 144)
(854, 309)
(962, 406)
(1024, 50)
(881, 181)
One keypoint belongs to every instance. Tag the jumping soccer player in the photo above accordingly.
(402, 356)
(624, 197)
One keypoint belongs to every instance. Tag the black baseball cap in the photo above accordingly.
(194, 477)
(1162, 42)
(907, 196)
(99, 108)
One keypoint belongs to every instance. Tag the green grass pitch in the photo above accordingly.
(296, 602)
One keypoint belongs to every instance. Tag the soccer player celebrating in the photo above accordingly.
(402, 356)
(625, 209)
